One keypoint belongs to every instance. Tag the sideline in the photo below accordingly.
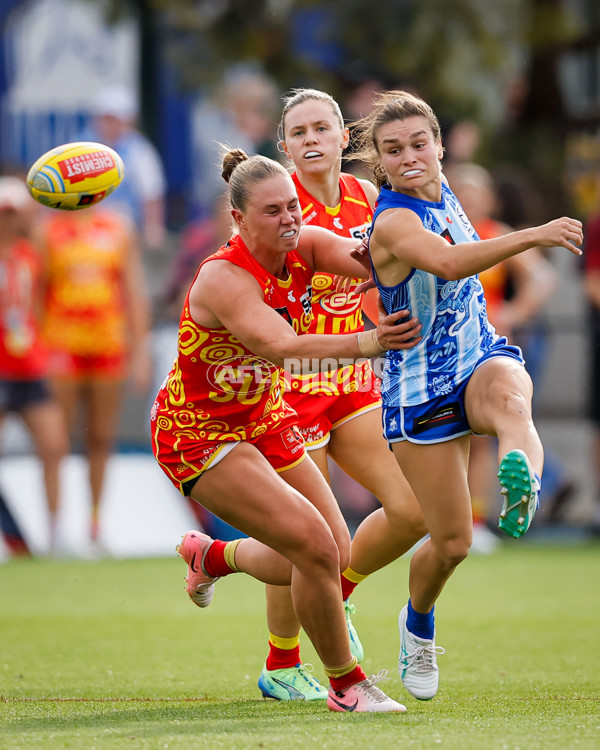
(142, 514)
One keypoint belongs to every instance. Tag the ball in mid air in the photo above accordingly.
(75, 175)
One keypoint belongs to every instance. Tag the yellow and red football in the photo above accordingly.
(75, 175)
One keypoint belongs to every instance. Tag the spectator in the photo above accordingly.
(522, 205)
(243, 110)
(141, 195)
(462, 143)
(23, 362)
(96, 326)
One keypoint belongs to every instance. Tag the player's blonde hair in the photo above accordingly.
(299, 96)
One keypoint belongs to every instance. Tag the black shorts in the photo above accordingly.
(17, 395)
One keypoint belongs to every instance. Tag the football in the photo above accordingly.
(75, 175)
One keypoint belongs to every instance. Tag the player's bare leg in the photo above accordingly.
(306, 547)
(447, 511)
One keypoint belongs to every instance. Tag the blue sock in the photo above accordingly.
(421, 625)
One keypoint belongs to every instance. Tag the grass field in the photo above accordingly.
(111, 654)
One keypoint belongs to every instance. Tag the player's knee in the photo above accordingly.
(510, 395)
(453, 551)
(408, 521)
(318, 552)
(99, 444)
(344, 546)
(515, 405)
(53, 451)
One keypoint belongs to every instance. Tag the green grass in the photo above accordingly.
(112, 655)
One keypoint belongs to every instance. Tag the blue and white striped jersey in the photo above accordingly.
(456, 332)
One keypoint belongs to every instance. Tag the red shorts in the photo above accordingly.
(319, 414)
(78, 367)
(184, 462)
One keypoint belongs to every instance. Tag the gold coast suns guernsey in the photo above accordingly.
(218, 390)
(335, 312)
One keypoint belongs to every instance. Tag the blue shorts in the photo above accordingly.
(441, 418)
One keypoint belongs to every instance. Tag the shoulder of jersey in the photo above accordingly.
(75, 175)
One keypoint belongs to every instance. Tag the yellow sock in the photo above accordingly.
(353, 576)
(341, 671)
(284, 643)
(350, 580)
(229, 554)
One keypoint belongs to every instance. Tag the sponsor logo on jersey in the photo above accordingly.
(340, 302)
(361, 231)
(309, 218)
(292, 439)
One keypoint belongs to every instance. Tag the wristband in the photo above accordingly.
(368, 343)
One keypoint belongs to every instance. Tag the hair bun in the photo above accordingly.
(231, 159)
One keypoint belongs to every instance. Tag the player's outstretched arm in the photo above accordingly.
(400, 242)
(226, 296)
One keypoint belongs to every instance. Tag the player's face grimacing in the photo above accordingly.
(314, 137)
(272, 217)
(411, 157)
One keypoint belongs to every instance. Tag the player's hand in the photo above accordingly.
(365, 286)
(343, 284)
(564, 232)
(398, 330)
(361, 254)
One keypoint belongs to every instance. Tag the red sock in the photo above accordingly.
(339, 684)
(347, 587)
(214, 562)
(282, 658)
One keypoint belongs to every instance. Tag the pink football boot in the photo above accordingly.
(193, 549)
(364, 697)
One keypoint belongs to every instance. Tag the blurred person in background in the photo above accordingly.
(141, 194)
(462, 143)
(591, 285)
(533, 279)
(521, 205)
(95, 325)
(243, 109)
(357, 101)
(23, 361)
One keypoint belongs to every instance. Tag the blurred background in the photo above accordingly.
(515, 83)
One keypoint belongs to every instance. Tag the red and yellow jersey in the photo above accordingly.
(335, 312)
(218, 390)
(85, 304)
(22, 355)
(494, 279)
